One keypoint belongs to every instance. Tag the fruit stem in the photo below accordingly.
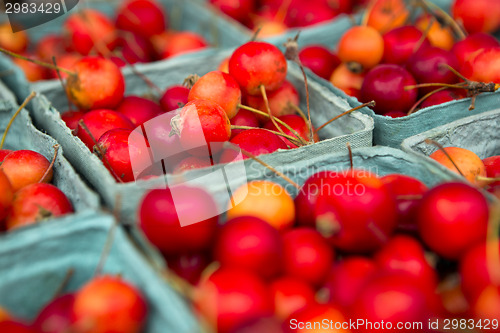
(248, 154)
(26, 101)
(99, 150)
(67, 277)
(62, 82)
(292, 54)
(266, 103)
(110, 237)
(446, 85)
(488, 180)
(351, 159)
(429, 94)
(51, 165)
(190, 80)
(143, 77)
(281, 122)
(38, 62)
(440, 146)
(454, 71)
(289, 137)
(369, 104)
(438, 12)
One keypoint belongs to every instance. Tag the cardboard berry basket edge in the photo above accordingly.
(355, 128)
(478, 133)
(23, 135)
(34, 263)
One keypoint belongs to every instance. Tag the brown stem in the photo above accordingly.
(488, 180)
(369, 104)
(26, 101)
(440, 146)
(56, 149)
(67, 277)
(144, 78)
(425, 85)
(266, 103)
(62, 82)
(437, 11)
(99, 150)
(429, 94)
(38, 62)
(309, 121)
(424, 35)
(281, 122)
(110, 238)
(351, 159)
(454, 71)
(258, 160)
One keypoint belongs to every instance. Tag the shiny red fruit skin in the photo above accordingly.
(229, 298)
(11, 326)
(307, 255)
(290, 295)
(183, 42)
(236, 9)
(400, 43)
(114, 145)
(158, 219)
(105, 297)
(55, 317)
(214, 123)
(138, 110)
(492, 165)
(483, 66)
(82, 31)
(4, 153)
(36, 202)
(252, 244)
(356, 212)
(319, 60)
(258, 63)
(143, 17)
(97, 84)
(427, 66)
(71, 118)
(243, 118)
(281, 101)
(25, 167)
(174, 97)
(452, 218)
(256, 141)
(477, 15)
(467, 47)
(404, 254)
(400, 186)
(99, 122)
(385, 84)
(189, 266)
(347, 278)
(306, 200)
(476, 270)
(441, 97)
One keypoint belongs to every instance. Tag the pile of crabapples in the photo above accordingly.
(404, 67)
(274, 17)
(26, 195)
(350, 246)
(139, 33)
(104, 304)
(211, 113)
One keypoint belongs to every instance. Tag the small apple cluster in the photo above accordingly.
(104, 304)
(139, 34)
(274, 17)
(351, 245)
(25, 193)
(403, 67)
(212, 112)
